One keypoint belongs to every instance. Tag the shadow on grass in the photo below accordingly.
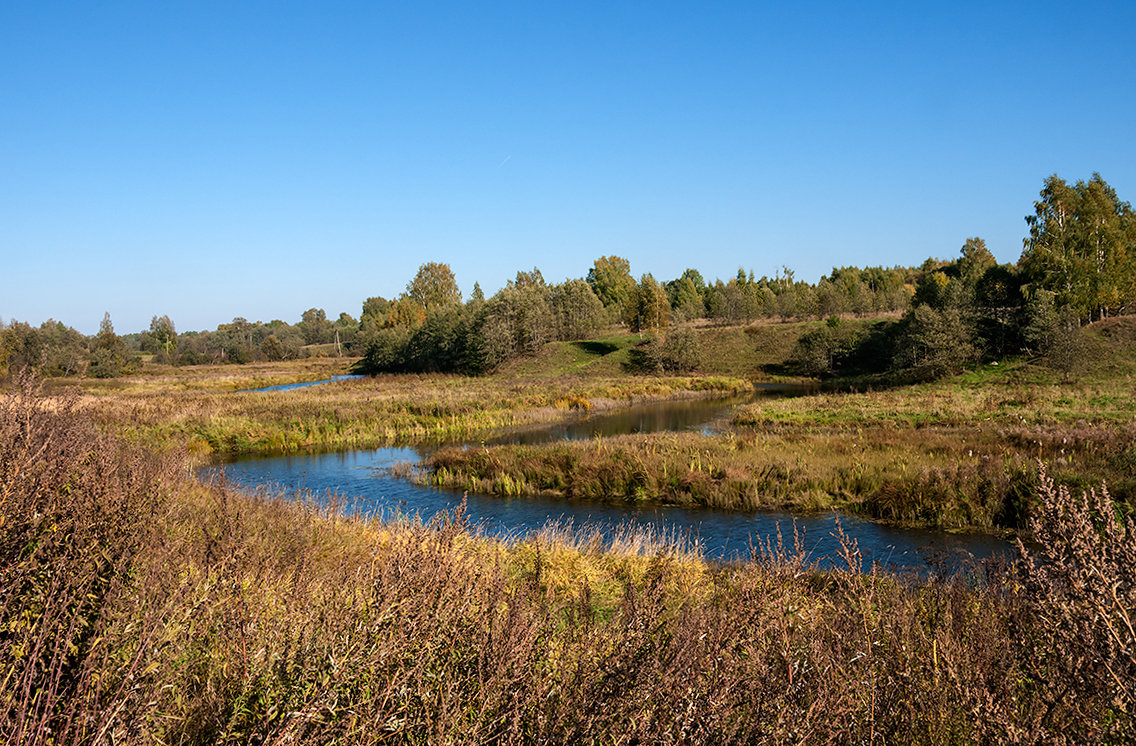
(594, 347)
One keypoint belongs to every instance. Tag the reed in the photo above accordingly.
(950, 477)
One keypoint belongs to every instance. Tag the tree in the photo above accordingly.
(22, 346)
(517, 320)
(611, 281)
(578, 313)
(109, 356)
(161, 337)
(65, 349)
(937, 342)
(315, 327)
(374, 314)
(998, 302)
(976, 259)
(1054, 333)
(695, 278)
(385, 351)
(273, 349)
(685, 297)
(434, 287)
(652, 309)
(681, 350)
(1082, 247)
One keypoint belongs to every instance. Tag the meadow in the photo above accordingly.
(141, 606)
(209, 409)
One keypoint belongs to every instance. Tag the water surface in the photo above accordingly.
(363, 480)
(302, 385)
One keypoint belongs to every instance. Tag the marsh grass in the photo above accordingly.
(952, 477)
(211, 419)
(139, 606)
(958, 453)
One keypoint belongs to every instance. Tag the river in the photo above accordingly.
(362, 479)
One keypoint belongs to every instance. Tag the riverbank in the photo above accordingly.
(968, 478)
(207, 411)
(142, 606)
(962, 452)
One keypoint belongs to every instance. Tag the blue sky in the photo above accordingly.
(209, 160)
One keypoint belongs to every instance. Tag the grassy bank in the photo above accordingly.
(750, 351)
(203, 409)
(140, 606)
(946, 477)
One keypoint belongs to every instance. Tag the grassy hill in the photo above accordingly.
(755, 351)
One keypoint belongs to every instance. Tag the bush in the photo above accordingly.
(105, 363)
(385, 351)
(1081, 583)
(677, 352)
(936, 343)
(680, 351)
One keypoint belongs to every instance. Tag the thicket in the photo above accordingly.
(140, 607)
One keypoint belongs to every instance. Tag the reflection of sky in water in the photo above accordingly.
(291, 386)
(360, 478)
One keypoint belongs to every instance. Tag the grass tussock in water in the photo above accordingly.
(139, 606)
(947, 477)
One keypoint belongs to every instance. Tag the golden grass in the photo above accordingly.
(202, 408)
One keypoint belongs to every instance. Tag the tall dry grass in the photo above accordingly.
(138, 606)
(948, 477)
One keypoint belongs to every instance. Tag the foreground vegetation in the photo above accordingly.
(139, 606)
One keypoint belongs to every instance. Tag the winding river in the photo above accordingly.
(364, 481)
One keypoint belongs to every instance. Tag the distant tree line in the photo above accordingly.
(434, 330)
(1078, 265)
(54, 349)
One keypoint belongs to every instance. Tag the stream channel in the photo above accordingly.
(362, 479)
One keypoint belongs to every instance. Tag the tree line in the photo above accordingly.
(54, 349)
(1078, 265)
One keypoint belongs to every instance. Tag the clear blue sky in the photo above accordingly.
(216, 159)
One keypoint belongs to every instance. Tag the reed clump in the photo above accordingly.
(951, 477)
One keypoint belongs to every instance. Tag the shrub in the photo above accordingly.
(1081, 583)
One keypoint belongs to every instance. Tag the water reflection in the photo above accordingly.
(291, 386)
(654, 417)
